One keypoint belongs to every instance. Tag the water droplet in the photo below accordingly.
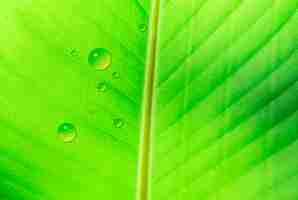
(116, 75)
(67, 132)
(100, 58)
(73, 52)
(102, 87)
(118, 123)
(142, 27)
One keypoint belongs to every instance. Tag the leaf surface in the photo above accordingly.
(199, 101)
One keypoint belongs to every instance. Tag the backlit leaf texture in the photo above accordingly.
(223, 122)
(46, 81)
(226, 93)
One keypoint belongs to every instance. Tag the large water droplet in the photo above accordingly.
(67, 132)
(100, 58)
(118, 123)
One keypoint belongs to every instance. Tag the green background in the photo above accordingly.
(225, 118)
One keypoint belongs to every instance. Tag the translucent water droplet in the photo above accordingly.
(118, 123)
(102, 87)
(67, 132)
(73, 52)
(116, 75)
(100, 58)
(142, 27)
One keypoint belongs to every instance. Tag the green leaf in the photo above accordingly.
(183, 99)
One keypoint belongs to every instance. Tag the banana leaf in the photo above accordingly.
(149, 99)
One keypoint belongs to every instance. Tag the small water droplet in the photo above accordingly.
(118, 123)
(100, 58)
(67, 132)
(116, 75)
(142, 27)
(73, 52)
(102, 87)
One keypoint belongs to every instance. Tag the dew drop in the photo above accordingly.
(67, 132)
(74, 52)
(100, 58)
(102, 87)
(142, 27)
(118, 123)
(115, 75)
